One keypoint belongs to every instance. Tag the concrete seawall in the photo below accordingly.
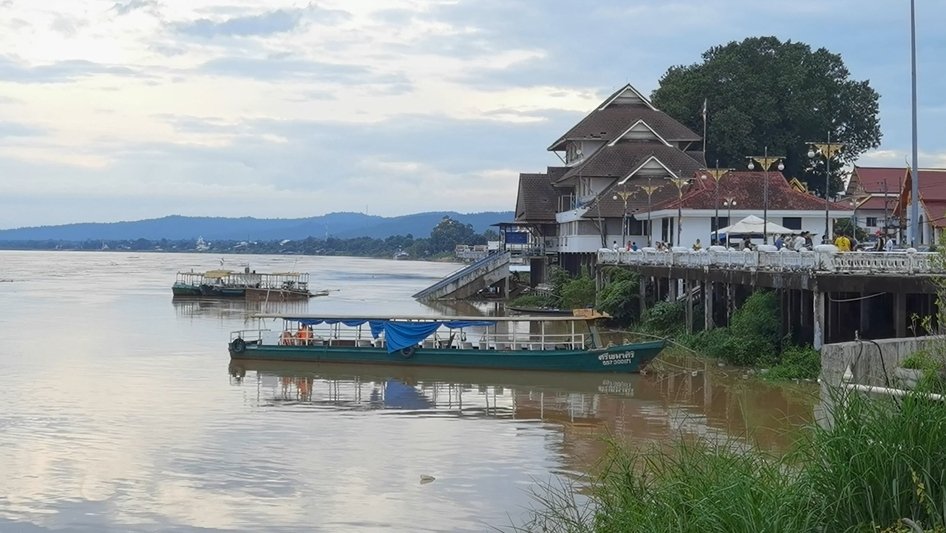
(872, 362)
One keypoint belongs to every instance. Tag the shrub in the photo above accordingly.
(579, 292)
(535, 300)
(620, 297)
(797, 362)
(664, 318)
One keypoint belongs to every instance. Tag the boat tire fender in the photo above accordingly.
(408, 351)
(238, 345)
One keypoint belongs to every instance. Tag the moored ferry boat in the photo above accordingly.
(187, 284)
(555, 343)
(221, 283)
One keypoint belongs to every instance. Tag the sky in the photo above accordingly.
(135, 109)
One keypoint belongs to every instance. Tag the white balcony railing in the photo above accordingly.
(824, 258)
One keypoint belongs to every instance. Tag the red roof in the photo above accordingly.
(748, 190)
(932, 189)
(876, 180)
(879, 202)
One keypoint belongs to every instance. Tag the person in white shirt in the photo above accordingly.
(889, 246)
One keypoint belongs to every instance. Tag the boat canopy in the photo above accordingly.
(398, 334)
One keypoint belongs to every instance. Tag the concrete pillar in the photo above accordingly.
(730, 302)
(900, 314)
(689, 304)
(865, 306)
(643, 294)
(708, 295)
(818, 319)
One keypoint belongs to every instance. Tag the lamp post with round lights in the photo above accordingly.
(827, 150)
(766, 161)
(717, 175)
(728, 203)
(624, 195)
(649, 191)
(679, 183)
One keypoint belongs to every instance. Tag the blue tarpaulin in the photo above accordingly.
(398, 334)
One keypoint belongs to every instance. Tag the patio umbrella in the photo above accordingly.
(752, 225)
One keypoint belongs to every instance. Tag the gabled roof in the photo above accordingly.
(932, 188)
(876, 180)
(748, 190)
(614, 115)
(535, 202)
(621, 159)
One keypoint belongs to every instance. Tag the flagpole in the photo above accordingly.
(704, 128)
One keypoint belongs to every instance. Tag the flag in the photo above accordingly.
(704, 110)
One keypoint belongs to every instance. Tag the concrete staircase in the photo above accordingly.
(469, 280)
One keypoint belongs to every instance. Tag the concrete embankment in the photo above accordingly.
(872, 362)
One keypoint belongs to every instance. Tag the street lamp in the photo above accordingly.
(624, 196)
(728, 203)
(766, 163)
(649, 191)
(717, 174)
(827, 150)
(679, 182)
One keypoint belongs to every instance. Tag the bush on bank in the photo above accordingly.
(876, 465)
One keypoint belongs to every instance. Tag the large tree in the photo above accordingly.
(763, 92)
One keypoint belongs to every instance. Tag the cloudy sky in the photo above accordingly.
(132, 109)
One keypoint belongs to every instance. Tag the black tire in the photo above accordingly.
(408, 352)
(238, 345)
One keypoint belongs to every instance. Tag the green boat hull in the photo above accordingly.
(627, 358)
(181, 289)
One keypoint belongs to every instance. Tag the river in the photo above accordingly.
(120, 410)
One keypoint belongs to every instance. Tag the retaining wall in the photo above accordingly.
(872, 362)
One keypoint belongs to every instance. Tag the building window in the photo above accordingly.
(792, 222)
(637, 227)
(719, 223)
(871, 222)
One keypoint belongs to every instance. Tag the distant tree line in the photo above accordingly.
(443, 239)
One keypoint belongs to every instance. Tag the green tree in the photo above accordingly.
(763, 92)
(449, 233)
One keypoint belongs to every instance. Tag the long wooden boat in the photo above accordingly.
(555, 343)
(222, 283)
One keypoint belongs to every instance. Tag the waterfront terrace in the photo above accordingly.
(826, 296)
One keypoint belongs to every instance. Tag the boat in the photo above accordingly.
(248, 284)
(554, 343)
(187, 283)
(401, 255)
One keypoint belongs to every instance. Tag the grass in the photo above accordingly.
(880, 465)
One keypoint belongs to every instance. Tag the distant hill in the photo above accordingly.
(175, 227)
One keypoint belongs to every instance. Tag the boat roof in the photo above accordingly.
(435, 318)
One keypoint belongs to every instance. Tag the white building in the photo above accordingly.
(737, 195)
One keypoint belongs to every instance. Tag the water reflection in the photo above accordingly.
(230, 307)
(584, 408)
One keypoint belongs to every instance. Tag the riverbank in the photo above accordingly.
(869, 464)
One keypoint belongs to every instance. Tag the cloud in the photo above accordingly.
(270, 69)
(134, 5)
(59, 72)
(273, 22)
(16, 129)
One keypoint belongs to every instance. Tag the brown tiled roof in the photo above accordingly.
(619, 160)
(874, 179)
(536, 200)
(748, 190)
(608, 123)
(607, 206)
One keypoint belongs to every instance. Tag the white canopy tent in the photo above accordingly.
(753, 225)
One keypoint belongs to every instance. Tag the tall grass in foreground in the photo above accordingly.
(881, 460)
(880, 465)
